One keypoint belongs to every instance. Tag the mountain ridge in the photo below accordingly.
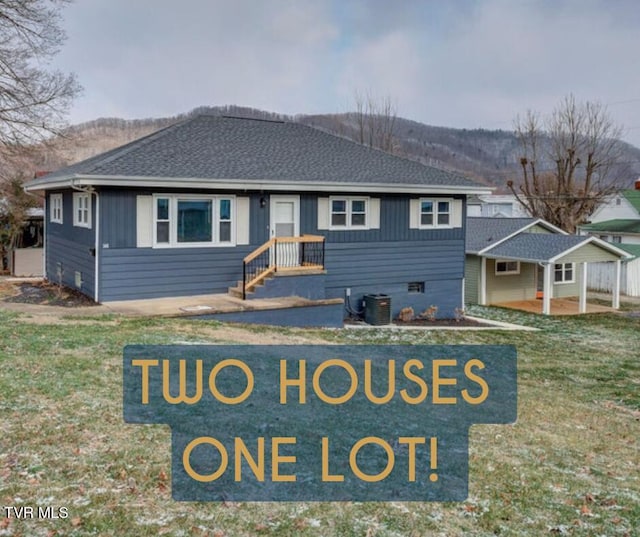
(488, 156)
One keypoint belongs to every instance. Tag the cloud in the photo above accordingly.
(464, 64)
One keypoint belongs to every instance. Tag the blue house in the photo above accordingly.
(256, 208)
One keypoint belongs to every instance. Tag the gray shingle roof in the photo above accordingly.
(536, 246)
(213, 147)
(482, 232)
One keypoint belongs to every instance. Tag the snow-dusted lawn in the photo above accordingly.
(568, 466)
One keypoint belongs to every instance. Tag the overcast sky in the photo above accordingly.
(450, 63)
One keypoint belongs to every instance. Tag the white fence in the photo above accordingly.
(600, 277)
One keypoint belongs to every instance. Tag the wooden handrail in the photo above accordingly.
(301, 238)
(271, 242)
(259, 250)
(264, 259)
(259, 277)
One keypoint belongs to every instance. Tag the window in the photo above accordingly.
(349, 213)
(435, 213)
(55, 212)
(193, 220)
(616, 239)
(415, 287)
(507, 267)
(81, 209)
(563, 273)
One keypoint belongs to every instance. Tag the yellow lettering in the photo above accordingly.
(300, 382)
(424, 389)
(277, 459)
(391, 383)
(326, 476)
(411, 441)
(182, 383)
(241, 450)
(478, 380)
(439, 381)
(145, 365)
(337, 363)
(354, 463)
(186, 459)
(227, 363)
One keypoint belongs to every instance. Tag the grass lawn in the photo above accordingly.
(569, 466)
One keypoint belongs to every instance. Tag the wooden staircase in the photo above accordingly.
(290, 255)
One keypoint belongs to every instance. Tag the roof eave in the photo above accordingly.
(245, 184)
(540, 221)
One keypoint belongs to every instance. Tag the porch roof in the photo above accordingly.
(546, 248)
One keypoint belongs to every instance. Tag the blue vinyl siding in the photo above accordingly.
(389, 267)
(394, 223)
(118, 216)
(70, 246)
(119, 231)
(118, 219)
(381, 260)
(131, 273)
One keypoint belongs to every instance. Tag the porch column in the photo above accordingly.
(547, 289)
(483, 282)
(615, 303)
(583, 288)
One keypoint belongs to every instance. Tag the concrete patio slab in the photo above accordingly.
(559, 306)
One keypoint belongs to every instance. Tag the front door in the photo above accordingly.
(285, 222)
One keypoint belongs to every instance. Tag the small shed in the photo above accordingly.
(524, 259)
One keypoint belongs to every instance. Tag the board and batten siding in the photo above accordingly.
(69, 249)
(384, 259)
(388, 257)
(131, 268)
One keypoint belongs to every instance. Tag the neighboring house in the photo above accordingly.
(204, 204)
(617, 220)
(618, 231)
(513, 259)
(25, 256)
(623, 205)
(495, 205)
(601, 277)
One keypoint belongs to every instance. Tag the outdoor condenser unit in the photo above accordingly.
(377, 309)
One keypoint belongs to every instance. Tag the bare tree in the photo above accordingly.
(375, 121)
(33, 98)
(569, 162)
(14, 208)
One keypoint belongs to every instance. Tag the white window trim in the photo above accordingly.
(349, 200)
(563, 281)
(173, 224)
(435, 213)
(56, 207)
(77, 196)
(506, 272)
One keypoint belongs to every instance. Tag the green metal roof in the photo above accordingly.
(614, 226)
(633, 249)
(633, 197)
